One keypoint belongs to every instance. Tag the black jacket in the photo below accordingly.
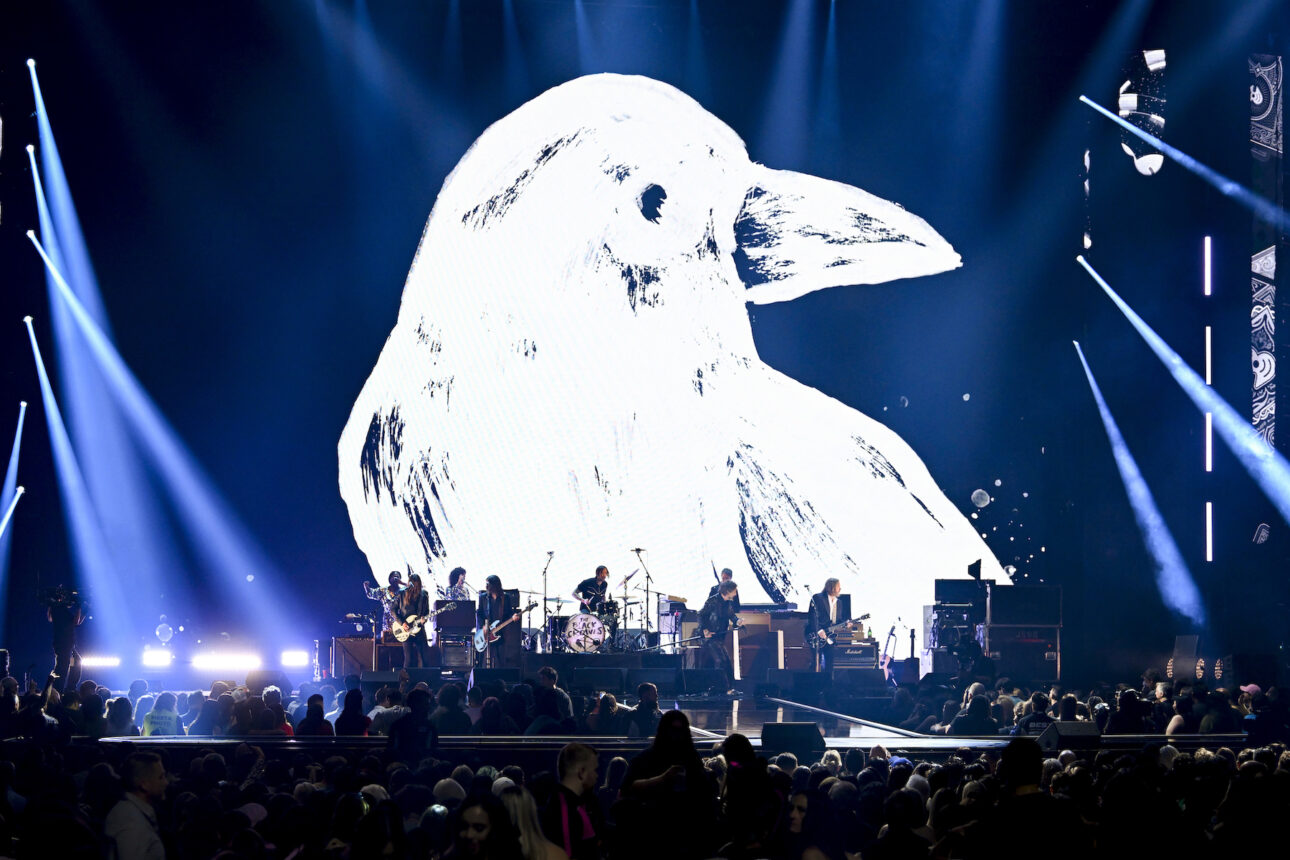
(716, 615)
(817, 615)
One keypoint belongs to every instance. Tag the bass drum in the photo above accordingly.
(584, 633)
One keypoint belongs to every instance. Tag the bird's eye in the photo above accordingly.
(651, 201)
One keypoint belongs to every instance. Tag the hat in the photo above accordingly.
(1252, 689)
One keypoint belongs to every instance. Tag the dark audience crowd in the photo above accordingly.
(413, 796)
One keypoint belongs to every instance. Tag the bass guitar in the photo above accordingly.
(412, 626)
(815, 641)
(485, 635)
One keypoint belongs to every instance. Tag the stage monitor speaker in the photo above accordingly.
(665, 679)
(351, 655)
(851, 678)
(371, 682)
(703, 681)
(1069, 736)
(480, 675)
(602, 679)
(803, 740)
(258, 679)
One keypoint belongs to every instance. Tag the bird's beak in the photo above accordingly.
(798, 233)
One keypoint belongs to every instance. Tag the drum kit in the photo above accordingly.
(590, 632)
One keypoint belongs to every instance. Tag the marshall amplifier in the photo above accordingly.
(862, 654)
(456, 651)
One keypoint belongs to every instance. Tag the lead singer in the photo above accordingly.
(715, 619)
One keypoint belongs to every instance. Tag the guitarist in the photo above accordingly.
(825, 611)
(494, 605)
(414, 604)
(715, 619)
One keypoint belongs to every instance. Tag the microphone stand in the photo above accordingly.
(649, 580)
(546, 611)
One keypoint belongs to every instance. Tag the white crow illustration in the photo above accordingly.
(573, 369)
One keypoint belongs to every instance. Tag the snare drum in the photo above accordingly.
(584, 633)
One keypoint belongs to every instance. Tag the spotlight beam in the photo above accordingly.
(217, 535)
(4, 523)
(1267, 466)
(93, 560)
(1260, 206)
(1173, 579)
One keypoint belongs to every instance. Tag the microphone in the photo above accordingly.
(893, 631)
(636, 549)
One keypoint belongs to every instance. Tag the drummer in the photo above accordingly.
(591, 592)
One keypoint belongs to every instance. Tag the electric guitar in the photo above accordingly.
(412, 626)
(815, 641)
(485, 635)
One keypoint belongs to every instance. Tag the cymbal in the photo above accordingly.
(558, 600)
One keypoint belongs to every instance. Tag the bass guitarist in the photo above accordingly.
(495, 606)
(411, 610)
(826, 611)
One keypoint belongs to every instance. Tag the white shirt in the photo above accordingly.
(131, 830)
(833, 609)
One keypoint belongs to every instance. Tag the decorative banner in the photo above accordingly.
(1266, 143)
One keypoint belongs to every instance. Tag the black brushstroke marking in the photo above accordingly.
(707, 246)
(499, 204)
(698, 381)
(651, 200)
(753, 233)
(639, 279)
(620, 172)
(880, 467)
(380, 452)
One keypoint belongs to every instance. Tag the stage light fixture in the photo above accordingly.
(1209, 253)
(100, 662)
(1200, 668)
(295, 659)
(155, 658)
(226, 661)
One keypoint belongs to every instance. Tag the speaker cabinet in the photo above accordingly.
(1069, 736)
(480, 675)
(665, 679)
(603, 679)
(804, 740)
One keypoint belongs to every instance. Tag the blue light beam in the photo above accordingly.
(1265, 209)
(8, 498)
(1266, 465)
(124, 504)
(212, 527)
(1173, 579)
(90, 553)
(8, 514)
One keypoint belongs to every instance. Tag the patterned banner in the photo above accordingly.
(1266, 144)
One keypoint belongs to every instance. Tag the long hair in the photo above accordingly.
(673, 742)
(522, 809)
(493, 584)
